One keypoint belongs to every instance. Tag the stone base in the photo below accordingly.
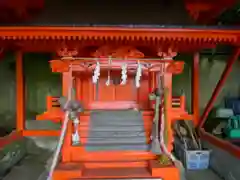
(223, 163)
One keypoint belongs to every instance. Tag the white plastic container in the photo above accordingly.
(192, 159)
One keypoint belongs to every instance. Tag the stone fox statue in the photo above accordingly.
(155, 145)
(72, 105)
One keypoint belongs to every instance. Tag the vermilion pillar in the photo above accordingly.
(153, 81)
(65, 79)
(167, 83)
(66, 156)
(20, 93)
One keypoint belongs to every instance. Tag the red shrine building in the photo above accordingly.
(111, 70)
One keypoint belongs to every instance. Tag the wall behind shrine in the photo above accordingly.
(42, 82)
(210, 72)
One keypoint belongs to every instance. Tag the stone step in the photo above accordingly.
(118, 121)
(106, 134)
(117, 113)
(117, 128)
(117, 140)
(117, 147)
(134, 128)
(124, 116)
(121, 119)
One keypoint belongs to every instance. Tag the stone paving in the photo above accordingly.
(33, 166)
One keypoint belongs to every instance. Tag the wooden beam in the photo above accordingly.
(220, 143)
(177, 35)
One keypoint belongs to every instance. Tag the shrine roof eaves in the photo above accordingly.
(216, 35)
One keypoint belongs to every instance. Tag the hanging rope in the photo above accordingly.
(155, 144)
(163, 129)
(138, 75)
(124, 74)
(64, 128)
(109, 78)
(96, 73)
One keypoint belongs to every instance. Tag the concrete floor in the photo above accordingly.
(207, 174)
(201, 175)
(33, 167)
(35, 171)
(39, 150)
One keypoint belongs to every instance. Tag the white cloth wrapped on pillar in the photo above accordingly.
(75, 135)
(138, 75)
(124, 74)
(108, 79)
(96, 73)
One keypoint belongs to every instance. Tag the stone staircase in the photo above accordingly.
(116, 131)
(115, 146)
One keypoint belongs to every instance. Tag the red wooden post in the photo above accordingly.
(153, 81)
(167, 83)
(66, 154)
(20, 102)
(182, 102)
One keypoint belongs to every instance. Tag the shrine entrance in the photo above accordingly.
(115, 96)
(114, 81)
(80, 151)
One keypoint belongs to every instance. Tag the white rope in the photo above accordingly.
(63, 131)
(138, 75)
(75, 135)
(162, 126)
(124, 74)
(59, 146)
(96, 73)
(109, 78)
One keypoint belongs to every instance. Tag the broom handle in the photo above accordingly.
(192, 136)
